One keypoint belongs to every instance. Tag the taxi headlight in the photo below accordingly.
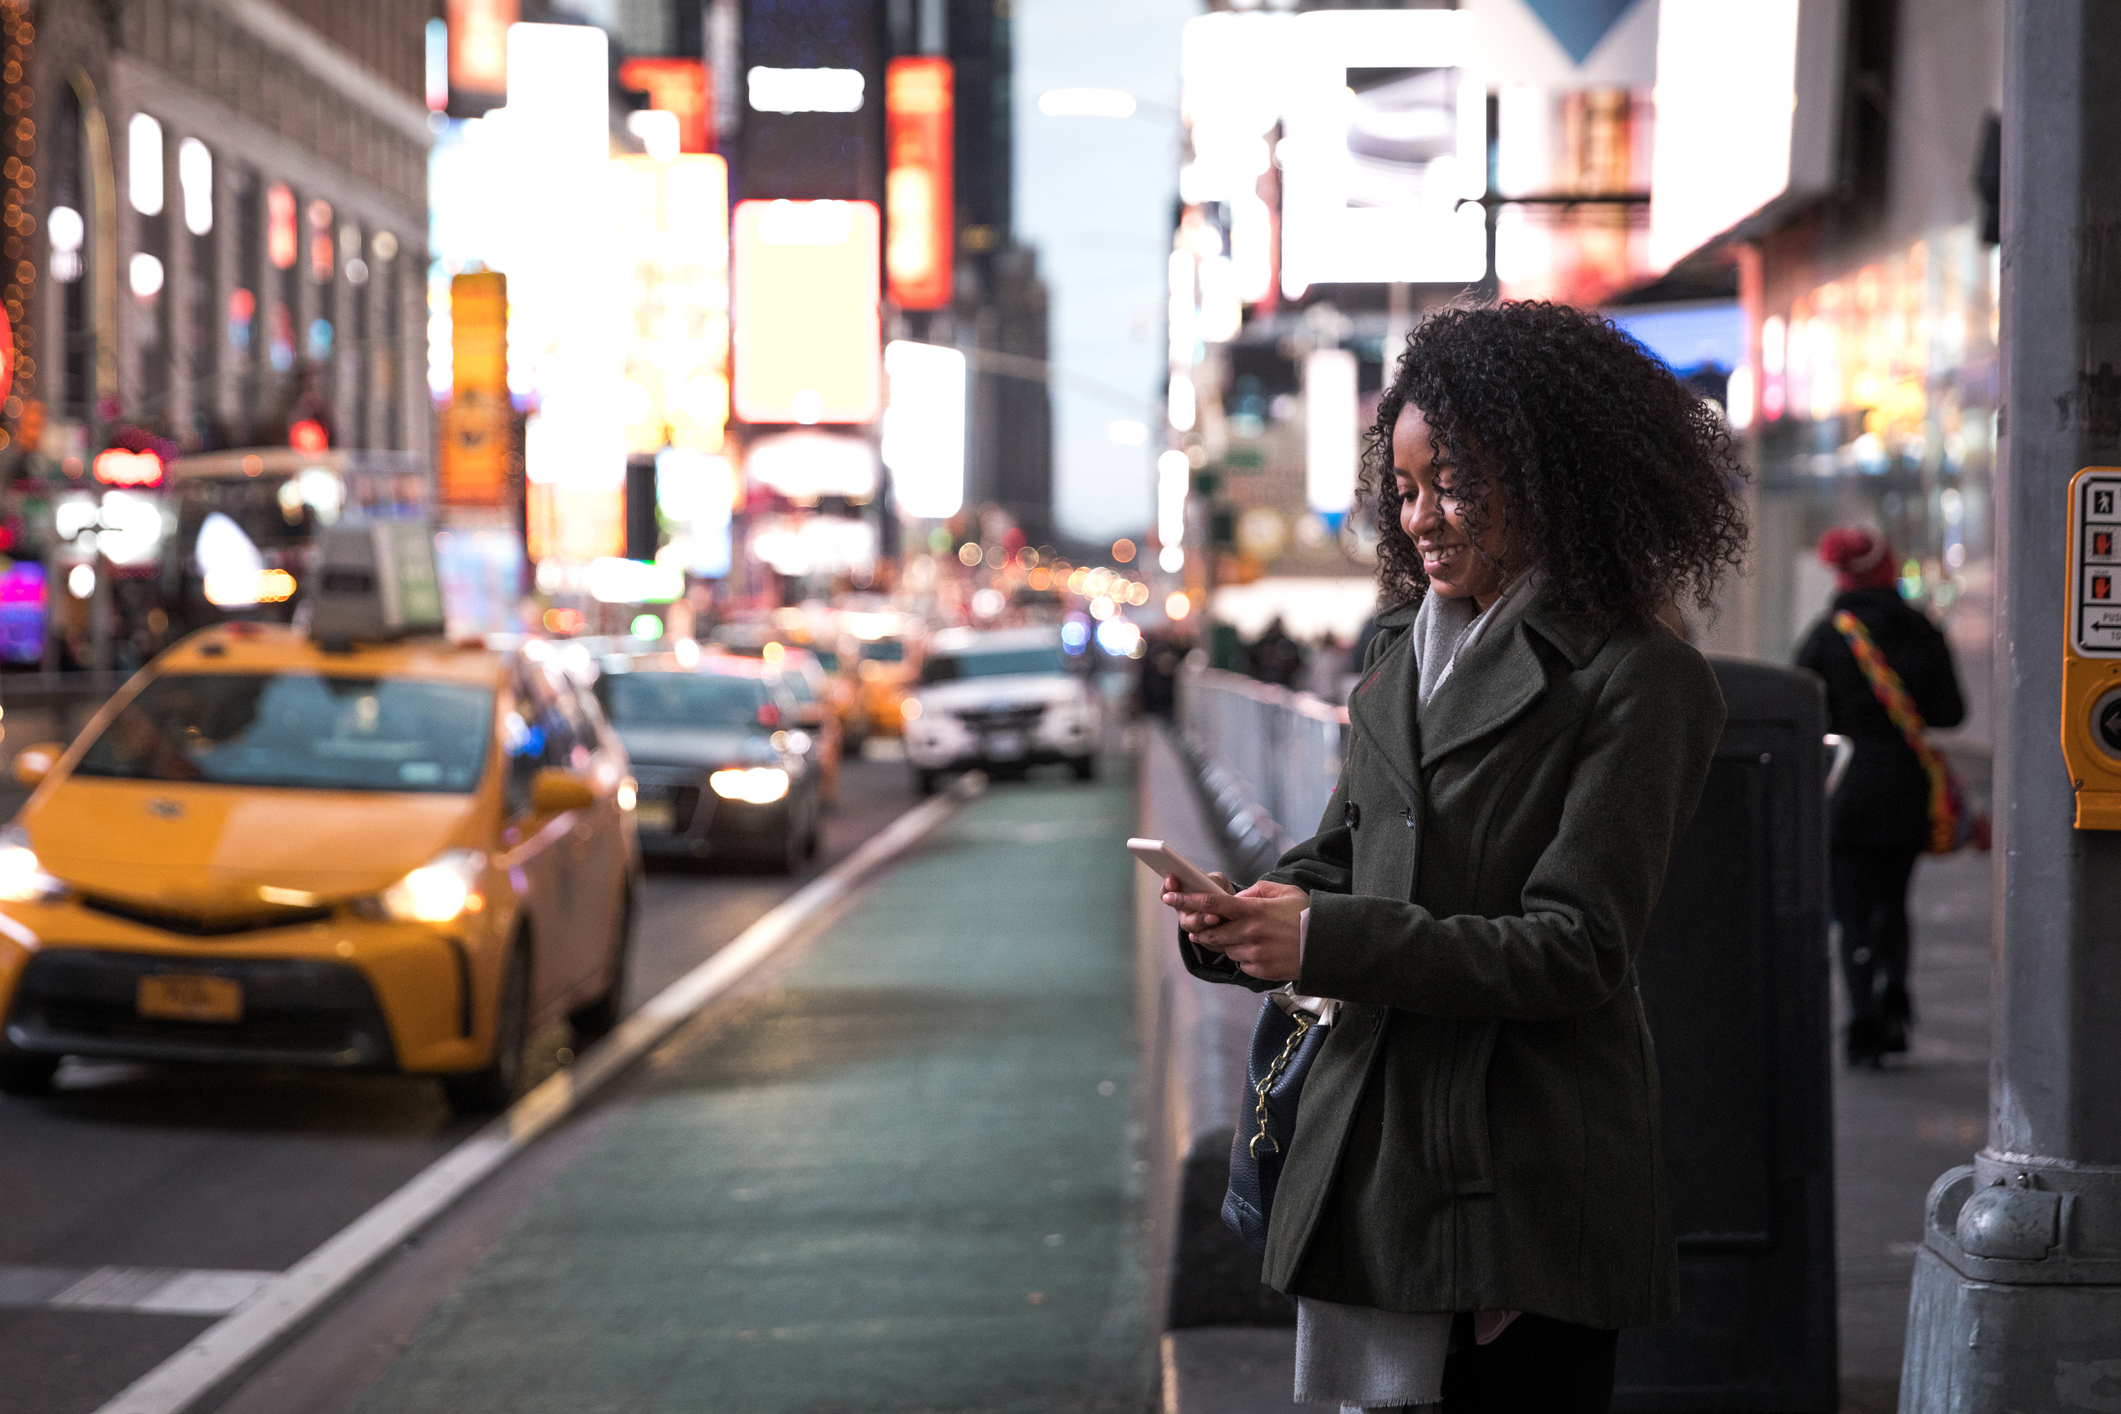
(754, 785)
(440, 891)
(22, 878)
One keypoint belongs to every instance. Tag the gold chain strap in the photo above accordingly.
(1304, 1022)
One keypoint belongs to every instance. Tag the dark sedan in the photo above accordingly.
(722, 769)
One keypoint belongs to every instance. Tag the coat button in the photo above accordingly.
(1408, 816)
(1351, 815)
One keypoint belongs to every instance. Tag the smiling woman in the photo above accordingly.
(1471, 1206)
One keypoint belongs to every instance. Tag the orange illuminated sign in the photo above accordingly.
(280, 237)
(917, 188)
(808, 344)
(674, 86)
(475, 427)
(115, 466)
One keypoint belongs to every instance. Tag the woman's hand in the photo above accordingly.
(1259, 929)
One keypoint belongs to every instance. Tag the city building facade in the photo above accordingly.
(230, 224)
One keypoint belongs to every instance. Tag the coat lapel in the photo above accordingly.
(1382, 706)
(1490, 688)
(1502, 677)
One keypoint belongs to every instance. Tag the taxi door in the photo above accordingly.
(597, 844)
(543, 847)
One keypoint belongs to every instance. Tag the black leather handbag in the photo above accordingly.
(1284, 1043)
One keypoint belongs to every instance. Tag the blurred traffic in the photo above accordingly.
(499, 498)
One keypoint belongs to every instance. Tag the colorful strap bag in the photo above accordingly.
(1953, 825)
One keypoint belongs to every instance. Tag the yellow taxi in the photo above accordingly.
(887, 666)
(406, 856)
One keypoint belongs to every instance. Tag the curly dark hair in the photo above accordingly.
(1619, 480)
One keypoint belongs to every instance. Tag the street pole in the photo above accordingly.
(2017, 1289)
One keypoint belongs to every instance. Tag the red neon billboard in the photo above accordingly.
(918, 102)
(808, 342)
(678, 86)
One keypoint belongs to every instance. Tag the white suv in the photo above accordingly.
(1008, 698)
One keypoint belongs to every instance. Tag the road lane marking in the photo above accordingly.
(163, 1291)
(221, 1354)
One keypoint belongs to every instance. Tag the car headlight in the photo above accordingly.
(754, 785)
(910, 708)
(440, 891)
(22, 878)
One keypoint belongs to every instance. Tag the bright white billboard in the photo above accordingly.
(1385, 138)
(924, 428)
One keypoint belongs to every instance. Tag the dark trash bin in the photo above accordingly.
(1734, 976)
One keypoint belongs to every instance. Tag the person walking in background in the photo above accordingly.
(1275, 657)
(1164, 656)
(1328, 666)
(1879, 820)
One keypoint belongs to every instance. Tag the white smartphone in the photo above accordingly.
(1163, 859)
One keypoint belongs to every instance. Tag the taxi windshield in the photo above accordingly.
(299, 730)
(696, 700)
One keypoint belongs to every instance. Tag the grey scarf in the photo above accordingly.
(1446, 629)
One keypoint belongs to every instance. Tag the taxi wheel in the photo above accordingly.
(494, 1088)
(25, 1072)
(596, 1019)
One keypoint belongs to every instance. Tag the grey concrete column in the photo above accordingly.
(2017, 1293)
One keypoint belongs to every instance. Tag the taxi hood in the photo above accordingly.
(209, 849)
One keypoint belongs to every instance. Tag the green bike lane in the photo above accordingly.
(901, 1177)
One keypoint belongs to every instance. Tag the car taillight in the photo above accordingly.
(769, 715)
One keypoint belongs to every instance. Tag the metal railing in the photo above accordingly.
(1268, 755)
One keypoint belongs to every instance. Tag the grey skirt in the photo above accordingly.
(1363, 1358)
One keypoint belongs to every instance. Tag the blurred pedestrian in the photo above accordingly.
(1275, 657)
(1472, 1203)
(1327, 664)
(1161, 660)
(1879, 821)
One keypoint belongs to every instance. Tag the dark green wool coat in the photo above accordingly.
(1480, 1130)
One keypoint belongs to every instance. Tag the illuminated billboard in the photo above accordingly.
(1385, 146)
(1745, 114)
(478, 54)
(917, 189)
(678, 87)
(674, 221)
(924, 429)
(477, 436)
(810, 84)
(808, 342)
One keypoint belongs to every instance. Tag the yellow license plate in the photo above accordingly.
(658, 815)
(176, 996)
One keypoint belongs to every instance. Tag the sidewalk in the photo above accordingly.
(899, 1179)
(1897, 1130)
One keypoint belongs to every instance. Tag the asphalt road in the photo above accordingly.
(245, 1171)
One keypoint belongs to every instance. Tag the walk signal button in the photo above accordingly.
(2106, 724)
(2091, 648)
